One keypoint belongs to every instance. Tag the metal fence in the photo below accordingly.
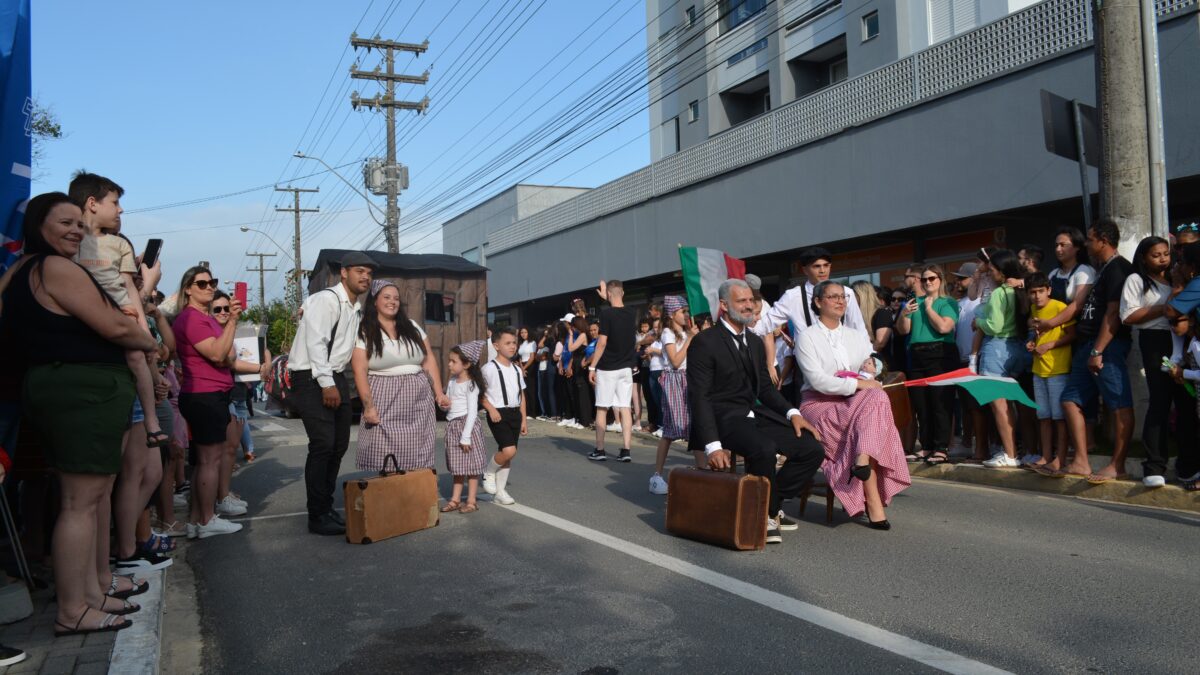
(1016, 41)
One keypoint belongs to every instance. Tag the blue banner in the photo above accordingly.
(16, 111)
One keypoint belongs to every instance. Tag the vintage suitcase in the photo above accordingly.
(719, 508)
(390, 504)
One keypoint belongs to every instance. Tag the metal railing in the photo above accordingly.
(1017, 41)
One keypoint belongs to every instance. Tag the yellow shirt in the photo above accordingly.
(1057, 361)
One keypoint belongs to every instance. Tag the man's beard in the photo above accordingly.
(734, 317)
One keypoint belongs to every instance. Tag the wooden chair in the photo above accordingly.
(902, 411)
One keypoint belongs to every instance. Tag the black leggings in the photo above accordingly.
(1156, 430)
(585, 413)
(932, 405)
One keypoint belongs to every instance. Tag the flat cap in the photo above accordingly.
(358, 259)
(754, 282)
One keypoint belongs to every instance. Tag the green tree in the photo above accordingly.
(280, 320)
(44, 127)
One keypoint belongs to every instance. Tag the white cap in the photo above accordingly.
(568, 318)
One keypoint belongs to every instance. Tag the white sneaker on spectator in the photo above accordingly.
(180, 501)
(238, 500)
(504, 499)
(1000, 461)
(657, 433)
(658, 486)
(566, 421)
(173, 529)
(215, 527)
(228, 507)
(191, 530)
(615, 426)
(576, 425)
(1154, 481)
(489, 483)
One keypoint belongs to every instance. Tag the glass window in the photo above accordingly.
(838, 71)
(439, 307)
(670, 137)
(737, 12)
(693, 111)
(870, 26)
(472, 255)
(691, 16)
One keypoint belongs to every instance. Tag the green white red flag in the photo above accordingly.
(704, 270)
(984, 388)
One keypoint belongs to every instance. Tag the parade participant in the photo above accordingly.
(677, 416)
(796, 305)
(465, 452)
(321, 350)
(851, 413)
(736, 409)
(504, 401)
(399, 382)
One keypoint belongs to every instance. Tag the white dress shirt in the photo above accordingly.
(791, 308)
(464, 402)
(823, 351)
(737, 338)
(311, 349)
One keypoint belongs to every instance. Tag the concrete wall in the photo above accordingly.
(974, 152)
(471, 228)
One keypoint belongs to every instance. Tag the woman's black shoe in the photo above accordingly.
(860, 472)
(880, 525)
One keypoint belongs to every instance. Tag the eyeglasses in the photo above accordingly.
(204, 284)
(930, 280)
(834, 298)
(221, 310)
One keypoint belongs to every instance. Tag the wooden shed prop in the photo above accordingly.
(445, 294)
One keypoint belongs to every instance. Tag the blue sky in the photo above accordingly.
(183, 101)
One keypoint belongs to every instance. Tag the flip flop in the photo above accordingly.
(934, 459)
(1192, 485)
(1097, 479)
(157, 439)
(137, 589)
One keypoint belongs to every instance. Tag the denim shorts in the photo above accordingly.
(240, 410)
(138, 415)
(1112, 383)
(1047, 391)
(1004, 357)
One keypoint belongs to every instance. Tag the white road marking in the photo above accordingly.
(864, 632)
(267, 426)
(271, 517)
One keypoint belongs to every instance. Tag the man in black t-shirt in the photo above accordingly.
(612, 375)
(1099, 356)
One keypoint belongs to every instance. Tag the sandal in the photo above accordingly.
(157, 439)
(157, 544)
(936, 458)
(1191, 485)
(127, 607)
(452, 505)
(468, 508)
(108, 625)
(249, 457)
(137, 588)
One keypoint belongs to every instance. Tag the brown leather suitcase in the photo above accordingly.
(719, 508)
(390, 504)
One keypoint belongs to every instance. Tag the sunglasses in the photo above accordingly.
(898, 298)
(221, 310)
(1188, 227)
(930, 280)
(205, 284)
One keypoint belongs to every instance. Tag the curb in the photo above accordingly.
(137, 649)
(1116, 491)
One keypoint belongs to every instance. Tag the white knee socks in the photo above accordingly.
(492, 466)
(501, 479)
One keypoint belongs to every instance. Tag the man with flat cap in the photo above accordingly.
(320, 353)
(796, 304)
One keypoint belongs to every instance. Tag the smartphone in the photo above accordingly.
(239, 292)
(150, 255)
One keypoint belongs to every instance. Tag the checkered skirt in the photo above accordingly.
(406, 423)
(676, 413)
(461, 463)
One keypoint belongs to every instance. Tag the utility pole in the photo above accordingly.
(261, 269)
(1124, 138)
(389, 104)
(296, 210)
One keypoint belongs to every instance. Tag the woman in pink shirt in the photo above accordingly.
(205, 349)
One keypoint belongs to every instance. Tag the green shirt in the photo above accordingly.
(922, 331)
(999, 315)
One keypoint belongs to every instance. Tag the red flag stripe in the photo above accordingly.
(961, 372)
(734, 267)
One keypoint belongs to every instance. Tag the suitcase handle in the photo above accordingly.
(395, 466)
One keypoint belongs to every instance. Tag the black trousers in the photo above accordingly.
(757, 440)
(328, 437)
(933, 405)
(1164, 392)
(585, 411)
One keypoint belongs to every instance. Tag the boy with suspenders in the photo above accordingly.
(504, 401)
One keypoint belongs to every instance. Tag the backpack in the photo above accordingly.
(279, 380)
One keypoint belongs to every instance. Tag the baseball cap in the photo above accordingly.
(966, 269)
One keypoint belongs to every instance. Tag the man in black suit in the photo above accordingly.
(735, 408)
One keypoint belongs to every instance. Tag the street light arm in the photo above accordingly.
(301, 155)
(251, 229)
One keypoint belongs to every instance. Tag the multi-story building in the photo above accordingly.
(887, 131)
(467, 234)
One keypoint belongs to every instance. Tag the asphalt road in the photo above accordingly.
(582, 578)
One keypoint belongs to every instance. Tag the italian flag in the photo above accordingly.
(704, 270)
(984, 388)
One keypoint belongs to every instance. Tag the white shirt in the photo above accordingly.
(824, 351)
(669, 338)
(782, 352)
(1194, 349)
(514, 382)
(735, 336)
(964, 330)
(1084, 275)
(398, 356)
(311, 349)
(658, 361)
(528, 348)
(464, 402)
(760, 327)
(791, 308)
(1133, 299)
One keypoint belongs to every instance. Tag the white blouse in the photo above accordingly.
(464, 402)
(821, 353)
(398, 357)
(669, 338)
(1133, 299)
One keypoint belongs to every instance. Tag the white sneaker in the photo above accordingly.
(565, 422)
(238, 500)
(228, 507)
(1154, 481)
(489, 483)
(215, 527)
(191, 530)
(180, 501)
(576, 425)
(615, 426)
(657, 433)
(658, 486)
(1000, 461)
(504, 499)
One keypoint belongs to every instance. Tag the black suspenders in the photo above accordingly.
(503, 387)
